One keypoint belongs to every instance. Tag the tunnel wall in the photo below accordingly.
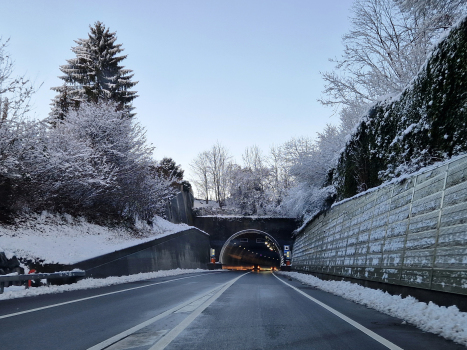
(412, 233)
(187, 249)
(221, 228)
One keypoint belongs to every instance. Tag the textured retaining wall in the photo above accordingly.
(413, 233)
(187, 250)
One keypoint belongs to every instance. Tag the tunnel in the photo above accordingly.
(251, 250)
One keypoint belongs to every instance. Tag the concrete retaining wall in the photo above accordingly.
(180, 208)
(413, 233)
(187, 250)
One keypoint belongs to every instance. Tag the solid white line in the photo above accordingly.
(95, 296)
(120, 336)
(169, 337)
(357, 325)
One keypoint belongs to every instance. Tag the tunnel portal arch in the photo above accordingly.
(240, 233)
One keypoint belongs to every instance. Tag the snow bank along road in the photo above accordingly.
(216, 310)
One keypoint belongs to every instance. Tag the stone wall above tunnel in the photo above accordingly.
(221, 228)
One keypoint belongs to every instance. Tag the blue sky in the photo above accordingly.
(243, 72)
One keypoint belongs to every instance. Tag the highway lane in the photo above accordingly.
(260, 312)
(80, 325)
(228, 310)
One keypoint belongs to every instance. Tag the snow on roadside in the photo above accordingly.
(14, 292)
(448, 322)
(63, 239)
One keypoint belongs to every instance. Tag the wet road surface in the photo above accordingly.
(213, 310)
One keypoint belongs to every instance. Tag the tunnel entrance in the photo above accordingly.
(251, 249)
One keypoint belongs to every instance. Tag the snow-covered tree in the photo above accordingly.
(121, 143)
(93, 163)
(387, 44)
(424, 124)
(248, 189)
(308, 163)
(433, 16)
(16, 131)
(95, 74)
(313, 166)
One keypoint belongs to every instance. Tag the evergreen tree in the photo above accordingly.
(95, 74)
(170, 170)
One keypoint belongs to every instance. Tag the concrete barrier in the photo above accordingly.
(412, 233)
(187, 249)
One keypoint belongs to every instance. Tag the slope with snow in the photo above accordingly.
(62, 239)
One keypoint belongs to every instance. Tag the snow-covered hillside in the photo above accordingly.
(66, 240)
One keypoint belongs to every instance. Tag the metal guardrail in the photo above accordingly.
(38, 276)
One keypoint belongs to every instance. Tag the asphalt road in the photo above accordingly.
(215, 310)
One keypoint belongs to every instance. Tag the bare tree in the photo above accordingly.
(279, 179)
(200, 167)
(211, 169)
(15, 91)
(219, 160)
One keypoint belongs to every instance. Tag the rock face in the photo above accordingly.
(9, 265)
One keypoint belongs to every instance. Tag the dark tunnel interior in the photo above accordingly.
(251, 250)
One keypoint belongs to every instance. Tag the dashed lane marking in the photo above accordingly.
(115, 339)
(167, 339)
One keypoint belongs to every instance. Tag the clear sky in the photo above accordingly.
(241, 72)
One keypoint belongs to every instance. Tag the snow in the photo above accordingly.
(241, 217)
(88, 283)
(201, 203)
(447, 322)
(62, 239)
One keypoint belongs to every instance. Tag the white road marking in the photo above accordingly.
(357, 325)
(120, 336)
(96, 296)
(194, 305)
(169, 337)
(137, 340)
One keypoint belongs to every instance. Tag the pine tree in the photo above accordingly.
(95, 74)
